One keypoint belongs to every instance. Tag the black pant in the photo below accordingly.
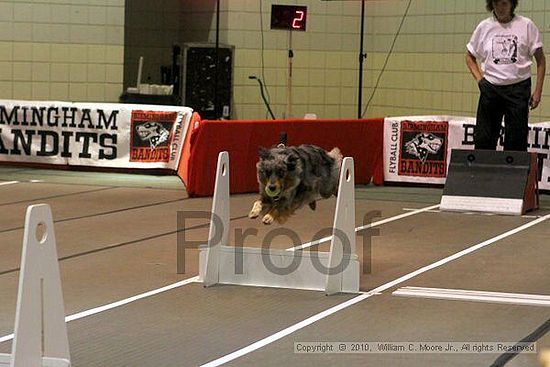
(510, 101)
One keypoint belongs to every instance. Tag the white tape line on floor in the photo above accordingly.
(123, 302)
(474, 296)
(5, 183)
(291, 329)
(374, 224)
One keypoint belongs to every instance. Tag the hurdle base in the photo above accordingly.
(255, 273)
(5, 361)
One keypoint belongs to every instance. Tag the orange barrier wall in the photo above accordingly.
(183, 165)
(360, 139)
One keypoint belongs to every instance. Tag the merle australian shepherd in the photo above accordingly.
(290, 177)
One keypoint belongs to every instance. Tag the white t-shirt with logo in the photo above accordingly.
(505, 50)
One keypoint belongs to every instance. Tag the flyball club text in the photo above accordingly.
(55, 130)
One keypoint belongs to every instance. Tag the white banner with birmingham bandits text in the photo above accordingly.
(93, 134)
(417, 149)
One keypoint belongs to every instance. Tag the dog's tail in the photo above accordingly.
(336, 154)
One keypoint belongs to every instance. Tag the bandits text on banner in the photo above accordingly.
(92, 134)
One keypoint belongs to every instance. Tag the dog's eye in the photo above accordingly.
(267, 173)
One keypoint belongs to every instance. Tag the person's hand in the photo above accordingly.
(535, 100)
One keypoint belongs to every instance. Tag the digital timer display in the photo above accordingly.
(288, 17)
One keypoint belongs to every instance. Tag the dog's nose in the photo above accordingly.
(272, 187)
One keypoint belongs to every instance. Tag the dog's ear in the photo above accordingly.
(263, 153)
(291, 162)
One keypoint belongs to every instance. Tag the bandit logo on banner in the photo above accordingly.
(423, 148)
(151, 136)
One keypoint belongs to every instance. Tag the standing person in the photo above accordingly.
(505, 44)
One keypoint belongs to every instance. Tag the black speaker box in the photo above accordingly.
(502, 182)
(207, 89)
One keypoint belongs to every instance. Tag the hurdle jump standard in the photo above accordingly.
(40, 336)
(338, 273)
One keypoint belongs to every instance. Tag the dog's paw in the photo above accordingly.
(268, 219)
(256, 210)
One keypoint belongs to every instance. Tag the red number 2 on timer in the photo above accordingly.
(298, 18)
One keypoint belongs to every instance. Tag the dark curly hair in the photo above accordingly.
(489, 5)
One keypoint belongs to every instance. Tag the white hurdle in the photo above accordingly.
(333, 272)
(40, 336)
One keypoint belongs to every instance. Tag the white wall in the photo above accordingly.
(74, 50)
(424, 74)
(324, 65)
(70, 50)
